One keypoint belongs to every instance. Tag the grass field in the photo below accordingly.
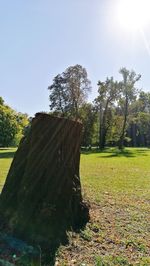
(6, 156)
(117, 187)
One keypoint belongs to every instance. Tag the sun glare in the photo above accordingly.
(134, 14)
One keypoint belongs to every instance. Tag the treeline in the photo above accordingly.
(12, 125)
(119, 115)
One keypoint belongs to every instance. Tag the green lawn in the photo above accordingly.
(6, 156)
(122, 174)
(117, 187)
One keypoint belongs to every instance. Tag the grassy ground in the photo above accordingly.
(6, 156)
(117, 187)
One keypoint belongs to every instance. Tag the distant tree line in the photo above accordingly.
(119, 115)
(12, 125)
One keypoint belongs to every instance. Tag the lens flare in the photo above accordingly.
(134, 14)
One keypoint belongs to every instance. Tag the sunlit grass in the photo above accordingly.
(121, 174)
(111, 171)
(117, 186)
(6, 156)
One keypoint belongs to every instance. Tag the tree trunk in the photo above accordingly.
(103, 138)
(133, 134)
(41, 198)
(121, 141)
(103, 127)
(100, 126)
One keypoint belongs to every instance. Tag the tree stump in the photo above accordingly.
(41, 198)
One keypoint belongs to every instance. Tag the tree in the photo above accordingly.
(88, 117)
(58, 95)
(22, 123)
(1, 101)
(12, 125)
(114, 131)
(137, 129)
(144, 102)
(8, 126)
(107, 95)
(128, 95)
(69, 91)
(143, 123)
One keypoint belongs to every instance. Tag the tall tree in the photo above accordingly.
(144, 102)
(22, 123)
(128, 95)
(143, 123)
(108, 92)
(12, 125)
(8, 126)
(58, 95)
(88, 117)
(1, 101)
(69, 91)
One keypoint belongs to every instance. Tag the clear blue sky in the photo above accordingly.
(41, 38)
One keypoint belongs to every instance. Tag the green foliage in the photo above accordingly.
(8, 126)
(143, 127)
(115, 130)
(88, 117)
(108, 93)
(69, 91)
(12, 125)
(118, 260)
(119, 115)
(99, 261)
(110, 261)
(144, 101)
(22, 125)
(127, 96)
(86, 235)
(1, 101)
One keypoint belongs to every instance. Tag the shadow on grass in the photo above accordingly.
(91, 151)
(126, 153)
(119, 153)
(6, 154)
(115, 152)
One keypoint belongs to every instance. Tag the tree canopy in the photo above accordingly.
(11, 125)
(69, 91)
(119, 115)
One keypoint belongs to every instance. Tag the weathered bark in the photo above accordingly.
(41, 198)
